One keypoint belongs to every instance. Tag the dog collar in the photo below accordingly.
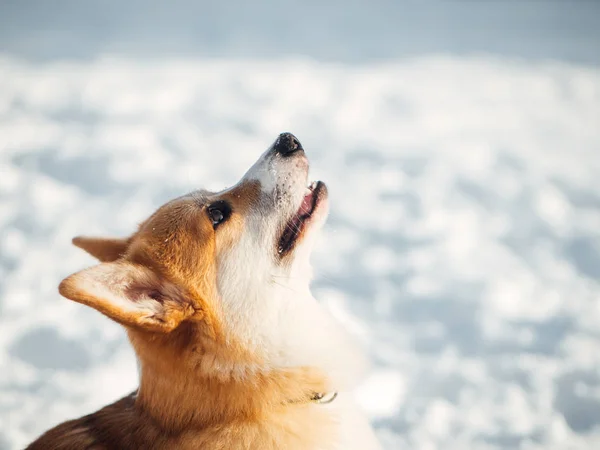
(323, 398)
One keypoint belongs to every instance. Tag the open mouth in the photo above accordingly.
(296, 225)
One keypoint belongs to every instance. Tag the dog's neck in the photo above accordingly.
(290, 328)
(183, 385)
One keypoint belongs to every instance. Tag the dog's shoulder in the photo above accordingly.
(103, 430)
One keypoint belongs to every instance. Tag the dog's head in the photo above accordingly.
(230, 265)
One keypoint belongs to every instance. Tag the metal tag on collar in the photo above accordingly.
(324, 398)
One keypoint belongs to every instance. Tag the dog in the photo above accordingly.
(234, 352)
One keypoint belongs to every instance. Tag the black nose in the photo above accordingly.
(287, 144)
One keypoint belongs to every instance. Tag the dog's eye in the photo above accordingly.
(218, 213)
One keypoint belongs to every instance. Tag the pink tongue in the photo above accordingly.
(306, 205)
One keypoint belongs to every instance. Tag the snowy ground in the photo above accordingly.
(462, 244)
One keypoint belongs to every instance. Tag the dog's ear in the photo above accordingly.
(130, 294)
(103, 249)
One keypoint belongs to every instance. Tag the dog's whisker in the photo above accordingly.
(285, 286)
(287, 277)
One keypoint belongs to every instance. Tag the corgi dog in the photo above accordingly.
(234, 352)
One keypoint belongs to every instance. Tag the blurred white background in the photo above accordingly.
(461, 145)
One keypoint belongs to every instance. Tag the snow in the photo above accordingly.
(335, 30)
(462, 245)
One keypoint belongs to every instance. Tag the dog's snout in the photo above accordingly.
(287, 144)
